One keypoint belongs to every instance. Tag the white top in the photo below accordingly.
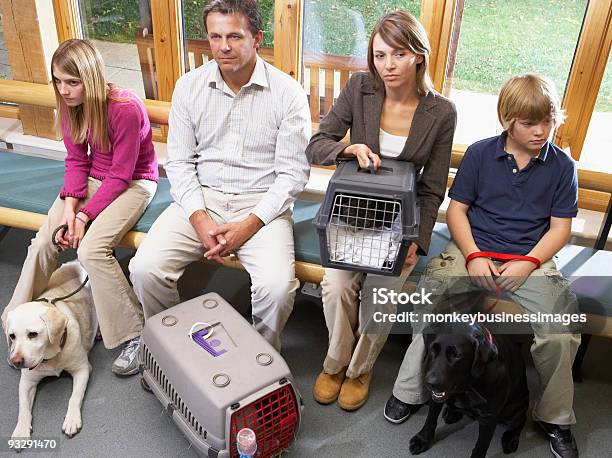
(249, 142)
(391, 145)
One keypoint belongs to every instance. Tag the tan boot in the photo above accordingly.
(327, 387)
(354, 392)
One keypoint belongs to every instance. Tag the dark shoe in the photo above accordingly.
(397, 411)
(562, 442)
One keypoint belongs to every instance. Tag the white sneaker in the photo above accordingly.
(127, 362)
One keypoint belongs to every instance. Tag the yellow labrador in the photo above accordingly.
(46, 339)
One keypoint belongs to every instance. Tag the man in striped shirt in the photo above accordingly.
(238, 129)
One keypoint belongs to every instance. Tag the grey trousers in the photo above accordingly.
(544, 291)
(172, 243)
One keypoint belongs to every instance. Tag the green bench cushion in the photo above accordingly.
(31, 184)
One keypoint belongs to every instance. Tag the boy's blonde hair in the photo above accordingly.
(80, 59)
(531, 97)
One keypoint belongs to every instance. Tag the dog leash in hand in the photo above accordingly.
(500, 257)
(52, 302)
(82, 285)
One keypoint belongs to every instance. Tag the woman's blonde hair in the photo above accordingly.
(401, 30)
(80, 59)
(531, 97)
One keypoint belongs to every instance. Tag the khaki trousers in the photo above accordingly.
(119, 313)
(347, 315)
(544, 291)
(268, 257)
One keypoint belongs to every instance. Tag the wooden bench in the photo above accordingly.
(29, 185)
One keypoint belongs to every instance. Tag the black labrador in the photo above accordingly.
(475, 374)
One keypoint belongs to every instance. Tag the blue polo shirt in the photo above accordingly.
(510, 209)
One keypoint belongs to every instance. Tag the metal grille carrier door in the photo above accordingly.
(368, 219)
(215, 375)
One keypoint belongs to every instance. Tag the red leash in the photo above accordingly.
(500, 257)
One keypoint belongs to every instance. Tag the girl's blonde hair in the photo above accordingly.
(401, 30)
(80, 59)
(531, 97)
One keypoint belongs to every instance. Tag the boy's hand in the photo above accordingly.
(481, 271)
(514, 274)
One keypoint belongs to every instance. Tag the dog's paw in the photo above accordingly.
(21, 433)
(510, 441)
(419, 443)
(450, 415)
(72, 423)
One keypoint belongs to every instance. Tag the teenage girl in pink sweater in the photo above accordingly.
(111, 176)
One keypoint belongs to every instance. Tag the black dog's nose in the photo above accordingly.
(433, 382)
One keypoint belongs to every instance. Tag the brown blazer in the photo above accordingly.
(428, 146)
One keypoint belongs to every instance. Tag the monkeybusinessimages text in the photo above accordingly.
(383, 296)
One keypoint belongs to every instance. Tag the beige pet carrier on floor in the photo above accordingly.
(216, 375)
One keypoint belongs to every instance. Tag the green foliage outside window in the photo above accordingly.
(499, 38)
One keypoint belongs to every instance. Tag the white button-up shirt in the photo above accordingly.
(250, 142)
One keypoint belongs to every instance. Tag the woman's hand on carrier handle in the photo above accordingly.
(364, 155)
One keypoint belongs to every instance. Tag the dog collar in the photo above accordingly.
(488, 335)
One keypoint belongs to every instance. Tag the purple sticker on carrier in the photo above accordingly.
(208, 344)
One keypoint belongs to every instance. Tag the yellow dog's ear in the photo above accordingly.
(5, 314)
(56, 322)
(5, 320)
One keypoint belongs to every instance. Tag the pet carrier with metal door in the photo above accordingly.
(216, 375)
(368, 219)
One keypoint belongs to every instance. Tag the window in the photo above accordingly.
(336, 35)
(5, 68)
(499, 39)
(121, 30)
(596, 150)
(197, 48)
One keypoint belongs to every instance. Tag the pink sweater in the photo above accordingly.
(131, 155)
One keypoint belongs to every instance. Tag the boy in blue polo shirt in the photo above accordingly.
(514, 194)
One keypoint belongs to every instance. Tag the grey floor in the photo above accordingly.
(120, 419)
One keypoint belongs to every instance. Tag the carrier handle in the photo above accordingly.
(350, 159)
(206, 325)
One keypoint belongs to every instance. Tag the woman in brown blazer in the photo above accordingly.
(392, 111)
